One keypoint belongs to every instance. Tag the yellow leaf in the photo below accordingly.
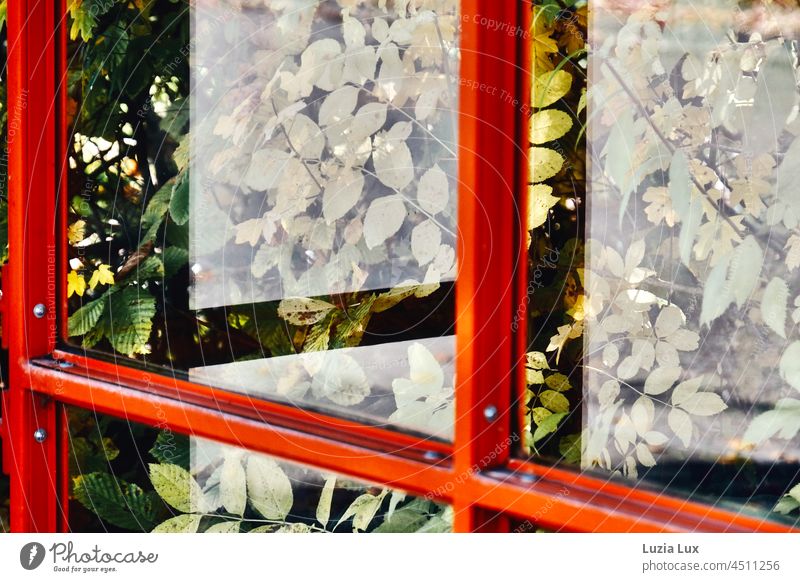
(578, 312)
(539, 205)
(549, 125)
(545, 163)
(75, 284)
(543, 45)
(102, 276)
(76, 232)
(550, 87)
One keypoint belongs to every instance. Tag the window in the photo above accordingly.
(288, 241)
(664, 290)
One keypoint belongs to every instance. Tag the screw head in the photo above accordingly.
(490, 412)
(432, 456)
(65, 364)
(39, 435)
(39, 310)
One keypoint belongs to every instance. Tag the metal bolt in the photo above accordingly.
(65, 364)
(39, 310)
(432, 456)
(39, 435)
(490, 412)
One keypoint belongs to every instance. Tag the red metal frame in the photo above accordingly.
(476, 474)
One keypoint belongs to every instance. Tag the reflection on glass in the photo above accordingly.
(323, 148)
(127, 477)
(252, 180)
(684, 309)
(405, 384)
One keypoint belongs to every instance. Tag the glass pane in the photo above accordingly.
(268, 180)
(320, 144)
(128, 477)
(684, 317)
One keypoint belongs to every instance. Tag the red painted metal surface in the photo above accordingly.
(490, 180)
(556, 498)
(31, 270)
(247, 406)
(370, 460)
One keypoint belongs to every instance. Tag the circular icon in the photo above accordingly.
(31, 555)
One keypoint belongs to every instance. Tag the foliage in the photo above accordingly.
(154, 185)
(196, 485)
(678, 307)
(555, 293)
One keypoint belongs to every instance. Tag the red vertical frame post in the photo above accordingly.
(31, 323)
(491, 175)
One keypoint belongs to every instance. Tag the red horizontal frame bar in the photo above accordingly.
(245, 405)
(558, 498)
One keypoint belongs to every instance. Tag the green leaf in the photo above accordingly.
(115, 501)
(186, 523)
(554, 401)
(689, 228)
(325, 499)
(745, 268)
(268, 488)
(790, 365)
(681, 424)
(363, 510)
(301, 311)
(619, 152)
(703, 404)
(558, 382)
(550, 87)
(179, 202)
(786, 505)
(150, 269)
(177, 487)
(545, 163)
(155, 212)
(131, 313)
(85, 318)
(680, 184)
(549, 125)
(773, 305)
(548, 425)
(440, 523)
(783, 420)
(174, 259)
(716, 294)
(171, 448)
(294, 528)
(350, 331)
(233, 485)
(84, 15)
(537, 361)
(407, 519)
(570, 448)
(319, 336)
(225, 527)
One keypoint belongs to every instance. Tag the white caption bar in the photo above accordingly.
(351, 558)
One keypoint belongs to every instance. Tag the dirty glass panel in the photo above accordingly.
(126, 477)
